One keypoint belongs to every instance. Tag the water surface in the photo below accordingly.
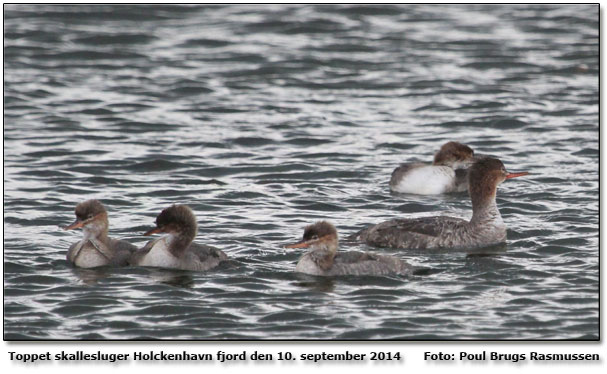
(266, 118)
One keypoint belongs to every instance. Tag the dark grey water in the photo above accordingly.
(266, 118)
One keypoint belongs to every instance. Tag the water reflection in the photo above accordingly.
(490, 250)
(91, 276)
(263, 127)
(176, 278)
(321, 284)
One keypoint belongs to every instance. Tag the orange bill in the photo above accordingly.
(299, 245)
(514, 175)
(78, 224)
(75, 225)
(155, 230)
(306, 244)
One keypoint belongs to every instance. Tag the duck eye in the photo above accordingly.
(314, 237)
(89, 216)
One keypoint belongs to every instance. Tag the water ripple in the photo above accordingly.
(265, 119)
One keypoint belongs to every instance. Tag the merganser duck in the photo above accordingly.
(324, 260)
(176, 250)
(486, 226)
(96, 248)
(446, 174)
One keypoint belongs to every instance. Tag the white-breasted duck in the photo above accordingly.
(323, 259)
(96, 248)
(176, 250)
(448, 172)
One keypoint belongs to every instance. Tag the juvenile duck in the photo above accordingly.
(96, 248)
(324, 259)
(446, 174)
(176, 249)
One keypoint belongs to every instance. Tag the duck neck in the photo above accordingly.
(97, 229)
(461, 179)
(484, 209)
(179, 242)
(330, 247)
(324, 254)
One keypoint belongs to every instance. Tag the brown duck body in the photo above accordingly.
(434, 232)
(486, 226)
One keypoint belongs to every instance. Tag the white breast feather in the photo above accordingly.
(159, 255)
(307, 266)
(89, 257)
(426, 180)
